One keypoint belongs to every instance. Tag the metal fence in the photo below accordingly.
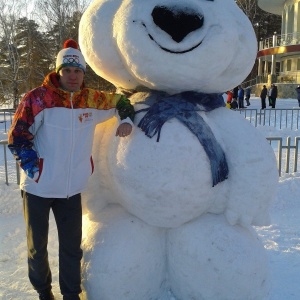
(282, 118)
(287, 154)
(11, 173)
(16, 172)
(7, 118)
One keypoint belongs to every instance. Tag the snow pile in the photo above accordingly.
(281, 239)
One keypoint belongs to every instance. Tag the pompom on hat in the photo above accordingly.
(70, 56)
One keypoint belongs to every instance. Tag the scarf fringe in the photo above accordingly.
(151, 127)
(219, 171)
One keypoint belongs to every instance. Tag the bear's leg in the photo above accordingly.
(211, 260)
(124, 258)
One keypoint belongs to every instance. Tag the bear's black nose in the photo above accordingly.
(177, 22)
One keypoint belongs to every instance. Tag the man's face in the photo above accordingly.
(71, 78)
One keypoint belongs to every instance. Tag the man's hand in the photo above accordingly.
(124, 129)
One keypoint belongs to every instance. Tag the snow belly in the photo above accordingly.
(165, 183)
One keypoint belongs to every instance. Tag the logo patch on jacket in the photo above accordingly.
(85, 117)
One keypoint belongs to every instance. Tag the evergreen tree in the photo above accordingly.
(33, 50)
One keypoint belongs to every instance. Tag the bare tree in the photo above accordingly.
(60, 20)
(54, 16)
(249, 7)
(264, 23)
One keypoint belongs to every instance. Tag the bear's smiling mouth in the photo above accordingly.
(177, 22)
(169, 50)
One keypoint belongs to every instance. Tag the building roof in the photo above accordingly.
(272, 6)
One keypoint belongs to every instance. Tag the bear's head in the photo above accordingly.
(207, 46)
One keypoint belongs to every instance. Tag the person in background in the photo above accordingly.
(273, 95)
(241, 97)
(51, 137)
(235, 93)
(298, 94)
(234, 104)
(269, 95)
(248, 94)
(263, 96)
(229, 98)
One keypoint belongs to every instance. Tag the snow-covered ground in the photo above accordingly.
(281, 238)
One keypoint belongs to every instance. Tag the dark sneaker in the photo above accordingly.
(46, 295)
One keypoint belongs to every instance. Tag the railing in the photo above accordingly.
(291, 156)
(289, 162)
(278, 118)
(282, 119)
(4, 144)
(279, 40)
(254, 81)
(7, 117)
(288, 77)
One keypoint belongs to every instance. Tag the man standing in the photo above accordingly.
(51, 137)
(235, 93)
(298, 94)
(241, 97)
(263, 96)
(269, 95)
(273, 95)
(248, 94)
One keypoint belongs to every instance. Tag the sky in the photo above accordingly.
(281, 239)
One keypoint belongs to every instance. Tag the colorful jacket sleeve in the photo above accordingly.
(107, 100)
(20, 138)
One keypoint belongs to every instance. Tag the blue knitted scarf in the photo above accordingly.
(184, 107)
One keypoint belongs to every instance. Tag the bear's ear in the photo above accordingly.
(98, 45)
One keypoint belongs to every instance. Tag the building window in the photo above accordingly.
(298, 23)
(289, 65)
(277, 67)
(290, 21)
(298, 64)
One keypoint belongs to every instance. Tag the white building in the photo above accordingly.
(279, 56)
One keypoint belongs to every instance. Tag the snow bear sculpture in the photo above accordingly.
(169, 209)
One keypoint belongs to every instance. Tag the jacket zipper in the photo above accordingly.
(72, 144)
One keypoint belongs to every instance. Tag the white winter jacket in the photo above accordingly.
(52, 136)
